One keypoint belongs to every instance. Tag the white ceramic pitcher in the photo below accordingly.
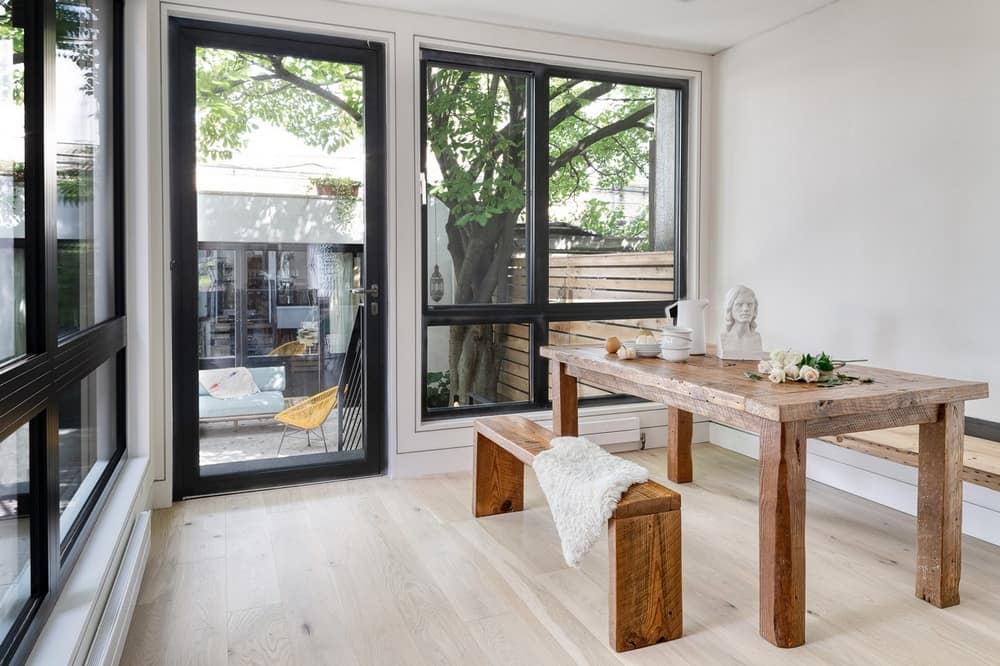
(691, 313)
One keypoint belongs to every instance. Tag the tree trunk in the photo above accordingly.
(475, 352)
(475, 356)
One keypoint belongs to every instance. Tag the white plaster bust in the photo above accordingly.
(739, 338)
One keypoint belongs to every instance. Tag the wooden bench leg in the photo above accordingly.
(497, 479)
(939, 507)
(680, 430)
(645, 589)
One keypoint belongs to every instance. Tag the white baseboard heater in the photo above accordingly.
(109, 641)
(621, 433)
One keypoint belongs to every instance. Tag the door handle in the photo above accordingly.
(371, 291)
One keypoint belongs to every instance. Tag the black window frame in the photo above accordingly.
(32, 384)
(538, 311)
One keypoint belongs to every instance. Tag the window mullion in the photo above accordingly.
(539, 279)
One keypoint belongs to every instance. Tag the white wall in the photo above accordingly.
(414, 448)
(857, 185)
(227, 217)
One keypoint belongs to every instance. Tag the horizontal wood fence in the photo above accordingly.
(583, 278)
(514, 369)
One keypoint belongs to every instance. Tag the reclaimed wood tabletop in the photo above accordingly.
(785, 416)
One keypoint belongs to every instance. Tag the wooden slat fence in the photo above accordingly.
(514, 370)
(575, 278)
(621, 276)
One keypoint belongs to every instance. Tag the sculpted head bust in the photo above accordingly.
(741, 308)
(739, 338)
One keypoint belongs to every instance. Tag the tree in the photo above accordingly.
(477, 123)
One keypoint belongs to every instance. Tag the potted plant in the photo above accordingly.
(331, 186)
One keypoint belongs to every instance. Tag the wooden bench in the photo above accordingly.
(982, 456)
(644, 534)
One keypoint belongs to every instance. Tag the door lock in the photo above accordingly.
(371, 291)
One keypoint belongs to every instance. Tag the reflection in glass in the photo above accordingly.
(12, 306)
(497, 370)
(87, 439)
(15, 532)
(612, 191)
(216, 303)
(281, 224)
(476, 185)
(84, 181)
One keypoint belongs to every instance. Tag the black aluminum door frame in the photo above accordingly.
(185, 35)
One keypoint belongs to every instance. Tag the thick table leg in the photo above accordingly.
(565, 420)
(782, 533)
(645, 602)
(497, 479)
(939, 507)
(680, 429)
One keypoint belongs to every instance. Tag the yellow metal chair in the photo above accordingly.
(309, 415)
(293, 348)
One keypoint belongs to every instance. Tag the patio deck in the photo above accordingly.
(221, 442)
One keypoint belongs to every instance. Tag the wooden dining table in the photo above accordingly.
(785, 416)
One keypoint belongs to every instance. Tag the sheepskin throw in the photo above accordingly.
(583, 484)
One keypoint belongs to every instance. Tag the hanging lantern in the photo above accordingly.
(437, 285)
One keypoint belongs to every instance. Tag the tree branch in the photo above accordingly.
(319, 91)
(630, 121)
(555, 92)
(581, 100)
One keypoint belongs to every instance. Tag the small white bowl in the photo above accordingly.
(678, 331)
(646, 346)
(675, 354)
(675, 344)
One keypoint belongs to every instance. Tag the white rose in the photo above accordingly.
(791, 372)
(777, 374)
(792, 358)
(764, 367)
(809, 374)
(778, 359)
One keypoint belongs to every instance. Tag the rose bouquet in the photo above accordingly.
(789, 366)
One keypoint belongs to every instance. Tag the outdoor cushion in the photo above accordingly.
(265, 402)
(269, 378)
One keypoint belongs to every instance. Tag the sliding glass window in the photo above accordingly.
(553, 211)
(62, 319)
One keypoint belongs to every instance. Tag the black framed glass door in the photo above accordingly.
(277, 225)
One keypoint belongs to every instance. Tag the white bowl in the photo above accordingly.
(675, 343)
(643, 346)
(675, 354)
(678, 331)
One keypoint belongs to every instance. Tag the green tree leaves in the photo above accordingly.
(319, 102)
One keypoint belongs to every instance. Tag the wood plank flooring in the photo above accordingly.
(374, 571)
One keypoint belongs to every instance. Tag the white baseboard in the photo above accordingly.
(109, 642)
(882, 481)
(459, 459)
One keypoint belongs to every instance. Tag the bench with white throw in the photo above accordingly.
(583, 484)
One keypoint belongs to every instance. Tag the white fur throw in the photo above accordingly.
(583, 484)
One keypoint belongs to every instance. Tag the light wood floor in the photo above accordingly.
(374, 571)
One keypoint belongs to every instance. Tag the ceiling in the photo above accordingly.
(706, 26)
